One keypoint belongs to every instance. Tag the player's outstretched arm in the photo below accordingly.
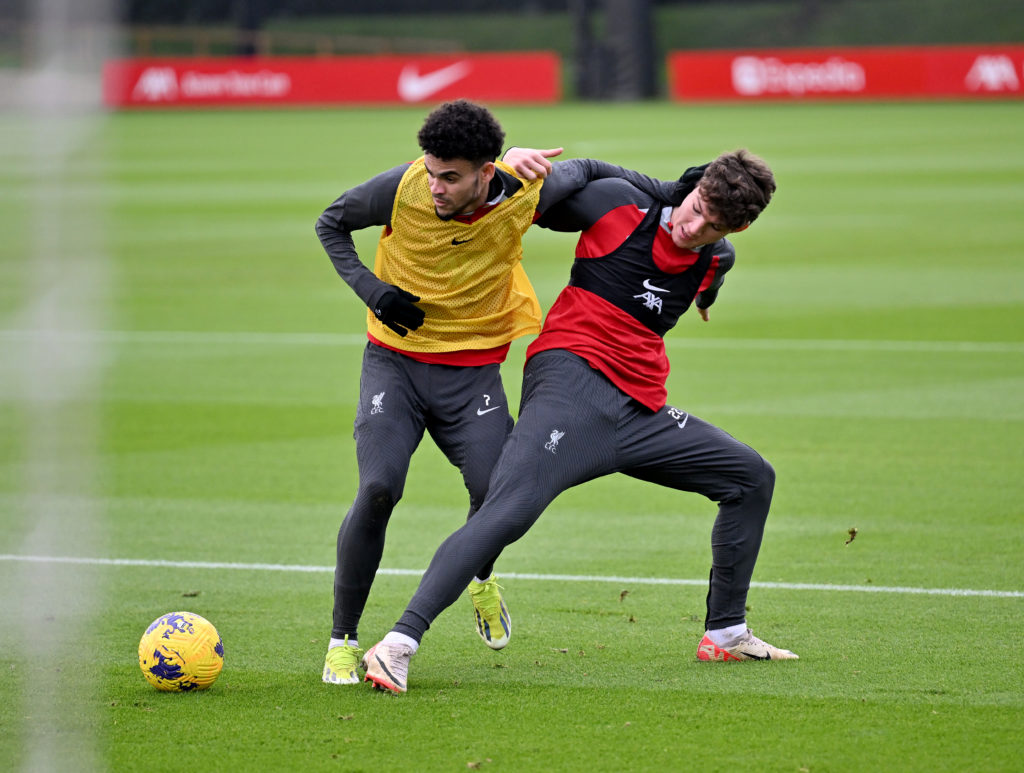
(530, 163)
(568, 177)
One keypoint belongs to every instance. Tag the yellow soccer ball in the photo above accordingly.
(181, 651)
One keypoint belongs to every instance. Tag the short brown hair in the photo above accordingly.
(738, 186)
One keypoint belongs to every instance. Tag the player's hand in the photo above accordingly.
(530, 163)
(705, 314)
(397, 310)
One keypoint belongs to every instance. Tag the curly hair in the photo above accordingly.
(737, 186)
(462, 129)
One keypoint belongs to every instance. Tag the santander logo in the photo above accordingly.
(165, 84)
(754, 75)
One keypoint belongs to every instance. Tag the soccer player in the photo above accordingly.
(593, 399)
(446, 297)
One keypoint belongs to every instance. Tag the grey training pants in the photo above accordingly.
(575, 425)
(466, 413)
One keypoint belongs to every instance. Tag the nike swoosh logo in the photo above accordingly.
(482, 411)
(384, 668)
(413, 87)
(649, 286)
(752, 656)
(461, 241)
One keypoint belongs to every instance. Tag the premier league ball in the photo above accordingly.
(181, 651)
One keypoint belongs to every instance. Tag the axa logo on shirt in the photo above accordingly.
(755, 75)
(993, 73)
(651, 301)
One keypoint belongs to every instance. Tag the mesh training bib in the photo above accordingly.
(468, 276)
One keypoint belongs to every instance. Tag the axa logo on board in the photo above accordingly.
(993, 73)
(163, 84)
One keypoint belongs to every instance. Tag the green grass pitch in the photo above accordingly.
(178, 373)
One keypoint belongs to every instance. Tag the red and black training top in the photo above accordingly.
(629, 285)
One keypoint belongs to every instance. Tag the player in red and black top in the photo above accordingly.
(446, 297)
(593, 399)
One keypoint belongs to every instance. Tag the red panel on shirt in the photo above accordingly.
(709, 277)
(476, 214)
(609, 232)
(670, 258)
(632, 357)
(464, 358)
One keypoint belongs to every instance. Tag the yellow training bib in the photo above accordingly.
(468, 276)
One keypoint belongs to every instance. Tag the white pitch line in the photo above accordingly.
(200, 337)
(850, 345)
(252, 338)
(1012, 594)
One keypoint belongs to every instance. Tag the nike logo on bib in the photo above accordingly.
(461, 241)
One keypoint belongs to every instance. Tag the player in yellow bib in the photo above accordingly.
(466, 272)
(446, 297)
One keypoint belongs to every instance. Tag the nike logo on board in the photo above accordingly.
(413, 87)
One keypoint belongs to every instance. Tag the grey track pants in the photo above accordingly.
(465, 411)
(574, 426)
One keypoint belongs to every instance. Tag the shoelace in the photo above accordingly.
(492, 606)
(748, 639)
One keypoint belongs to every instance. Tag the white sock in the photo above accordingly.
(477, 579)
(352, 642)
(723, 637)
(393, 637)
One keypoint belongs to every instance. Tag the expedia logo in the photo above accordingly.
(753, 76)
(156, 84)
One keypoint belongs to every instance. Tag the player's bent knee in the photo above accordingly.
(378, 500)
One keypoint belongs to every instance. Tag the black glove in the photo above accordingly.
(686, 183)
(396, 310)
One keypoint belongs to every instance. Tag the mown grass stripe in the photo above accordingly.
(254, 338)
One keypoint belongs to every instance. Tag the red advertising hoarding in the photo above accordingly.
(925, 72)
(533, 77)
